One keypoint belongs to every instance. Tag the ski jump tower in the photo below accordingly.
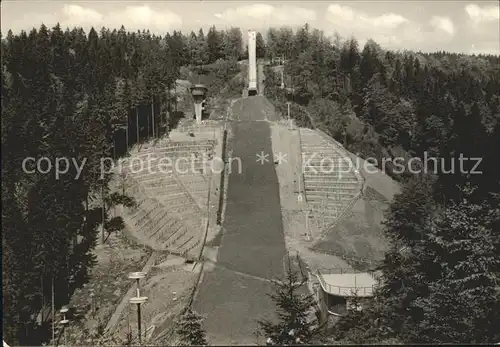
(252, 63)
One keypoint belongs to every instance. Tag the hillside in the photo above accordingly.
(413, 115)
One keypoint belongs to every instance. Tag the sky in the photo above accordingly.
(455, 26)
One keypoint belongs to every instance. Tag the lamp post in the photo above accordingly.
(92, 304)
(138, 299)
(53, 312)
(153, 115)
(64, 322)
(300, 197)
(117, 126)
(287, 254)
(289, 104)
(125, 126)
(308, 237)
(103, 211)
(137, 123)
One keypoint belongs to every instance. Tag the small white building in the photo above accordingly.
(335, 292)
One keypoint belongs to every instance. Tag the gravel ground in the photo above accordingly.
(167, 286)
(108, 282)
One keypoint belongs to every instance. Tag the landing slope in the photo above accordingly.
(255, 108)
(233, 293)
(253, 242)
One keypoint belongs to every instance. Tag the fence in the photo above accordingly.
(222, 178)
(301, 172)
(198, 128)
(344, 290)
(346, 154)
(359, 263)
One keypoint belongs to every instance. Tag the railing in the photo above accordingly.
(198, 127)
(343, 270)
(358, 175)
(207, 223)
(330, 139)
(343, 290)
(222, 178)
(349, 291)
(321, 281)
(301, 174)
(342, 149)
(343, 212)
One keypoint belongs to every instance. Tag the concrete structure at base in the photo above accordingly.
(336, 291)
(252, 63)
(199, 93)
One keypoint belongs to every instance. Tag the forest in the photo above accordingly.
(67, 93)
(440, 278)
(71, 94)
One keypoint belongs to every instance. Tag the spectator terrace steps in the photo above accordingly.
(166, 215)
(191, 126)
(330, 181)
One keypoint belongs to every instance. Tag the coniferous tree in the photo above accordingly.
(463, 302)
(214, 44)
(233, 45)
(190, 329)
(260, 46)
(82, 85)
(297, 321)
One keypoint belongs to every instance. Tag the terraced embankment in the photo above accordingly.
(331, 181)
(170, 181)
(173, 183)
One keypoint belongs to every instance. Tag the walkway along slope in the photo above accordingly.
(253, 241)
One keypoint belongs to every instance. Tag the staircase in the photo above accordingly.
(170, 185)
(331, 182)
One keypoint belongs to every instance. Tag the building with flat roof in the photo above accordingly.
(336, 290)
(344, 285)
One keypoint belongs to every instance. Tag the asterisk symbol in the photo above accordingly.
(280, 157)
(262, 157)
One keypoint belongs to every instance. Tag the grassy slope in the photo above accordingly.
(358, 235)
